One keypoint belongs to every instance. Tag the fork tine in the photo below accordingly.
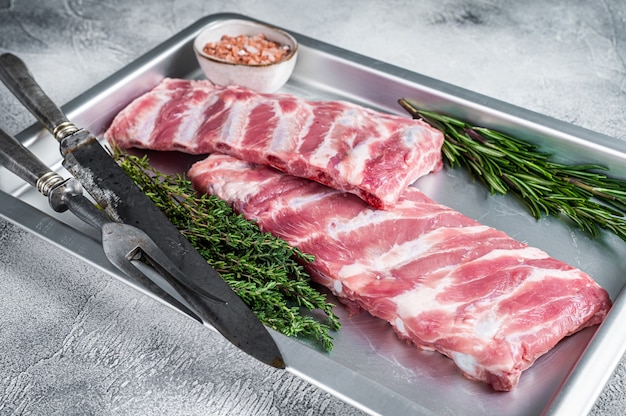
(154, 256)
(141, 252)
(118, 256)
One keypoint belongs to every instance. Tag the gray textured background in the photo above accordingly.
(75, 341)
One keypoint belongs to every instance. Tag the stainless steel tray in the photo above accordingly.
(369, 367)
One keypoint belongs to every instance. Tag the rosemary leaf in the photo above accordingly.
(505, 164)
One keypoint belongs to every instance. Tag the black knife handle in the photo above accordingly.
(19, 160)
(18, 79)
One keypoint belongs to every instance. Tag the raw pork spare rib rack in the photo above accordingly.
(442, 280)
(340, 144)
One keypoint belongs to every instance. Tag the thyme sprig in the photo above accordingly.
(505, 164)
(263, 270)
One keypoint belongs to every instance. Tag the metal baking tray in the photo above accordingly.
(369, 367)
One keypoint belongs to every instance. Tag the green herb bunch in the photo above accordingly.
(505, 164)
(265, 271)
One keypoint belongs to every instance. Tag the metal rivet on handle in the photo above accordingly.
(47, 181)
(64, 129)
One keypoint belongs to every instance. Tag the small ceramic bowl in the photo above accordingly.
(265, 78)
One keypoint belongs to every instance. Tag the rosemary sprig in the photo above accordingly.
(591, 199)
(263, 270)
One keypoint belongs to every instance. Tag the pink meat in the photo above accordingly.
(342, 145)
(442, 280)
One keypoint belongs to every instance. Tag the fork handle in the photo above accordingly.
(19, 160)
